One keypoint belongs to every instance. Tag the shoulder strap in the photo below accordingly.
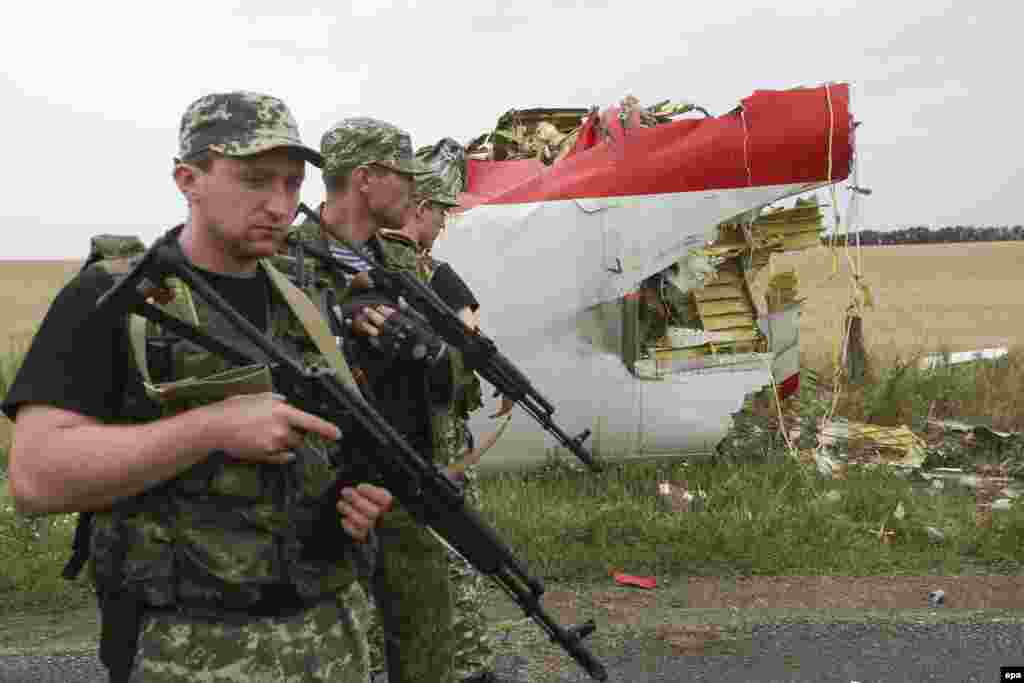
(313, 323)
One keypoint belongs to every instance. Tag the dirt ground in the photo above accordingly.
(682, 613)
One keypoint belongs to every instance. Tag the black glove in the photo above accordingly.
(404, 335)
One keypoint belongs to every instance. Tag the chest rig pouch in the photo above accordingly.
(223, 531)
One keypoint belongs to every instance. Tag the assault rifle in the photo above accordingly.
(479, 352)
(429, 496)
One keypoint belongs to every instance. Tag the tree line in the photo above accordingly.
(923, 234)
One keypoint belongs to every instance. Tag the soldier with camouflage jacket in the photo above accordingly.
(369, 171)
(410, 247)
(217, 554)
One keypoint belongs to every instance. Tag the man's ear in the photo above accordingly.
(360, 178)
(186, 177)
(422, 208)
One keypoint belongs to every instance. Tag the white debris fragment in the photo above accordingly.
(827, 465)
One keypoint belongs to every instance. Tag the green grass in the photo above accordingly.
(32, 555)
(896, 390)
(766, 518)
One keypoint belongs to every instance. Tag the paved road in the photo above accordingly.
(815, 653)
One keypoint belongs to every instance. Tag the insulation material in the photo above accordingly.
(694, 271)
(726, 322)
(724, 307)
(782, 291)
(541, 134)
(798, 228)
(719, 292)
(892, 445)
(550, 135)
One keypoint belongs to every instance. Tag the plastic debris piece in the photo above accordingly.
(826, 465)
(936, 360)
(937, 597)
(677, 498)
(637, 581)
(935, 535)
(897, 446)
(1002, 504)
(899, 512)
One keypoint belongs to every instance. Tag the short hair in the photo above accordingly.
(202, 160)
(337, 182)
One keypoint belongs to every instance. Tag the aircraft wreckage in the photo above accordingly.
(613, 253)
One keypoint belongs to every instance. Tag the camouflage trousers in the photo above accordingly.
(473, 651)
(446, 586)
(410, 612)
(325, 643)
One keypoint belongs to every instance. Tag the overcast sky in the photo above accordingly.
(93, 92)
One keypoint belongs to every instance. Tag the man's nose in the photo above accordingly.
(283, 203)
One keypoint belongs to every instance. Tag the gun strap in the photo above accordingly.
(120, 616)
(312, 321)
(79, 547)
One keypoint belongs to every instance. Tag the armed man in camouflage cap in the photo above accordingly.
(369, 173)
(410, 247)
(208, 534)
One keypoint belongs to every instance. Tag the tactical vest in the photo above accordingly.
(447, 424)
(223, 531)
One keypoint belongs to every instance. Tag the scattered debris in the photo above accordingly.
(935, 535)
(884, 535)
(678, 498)
(637, 581)
(978, 430)
(938, 360)
(867, 443)
(1002, 504)
(827, 466)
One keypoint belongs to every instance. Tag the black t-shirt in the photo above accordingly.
(452, 289)
(81, 361)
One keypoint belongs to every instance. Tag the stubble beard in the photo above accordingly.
(388, 217)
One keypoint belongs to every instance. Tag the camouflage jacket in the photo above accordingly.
(394, 250)
(221, 531)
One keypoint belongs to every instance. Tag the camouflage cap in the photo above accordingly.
(240, 124)
(431, 186)
(361, 140)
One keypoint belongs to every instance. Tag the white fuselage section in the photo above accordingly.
(548, 276)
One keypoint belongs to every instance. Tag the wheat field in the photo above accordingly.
(956, 296)
(26, 290)
(928, 297)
